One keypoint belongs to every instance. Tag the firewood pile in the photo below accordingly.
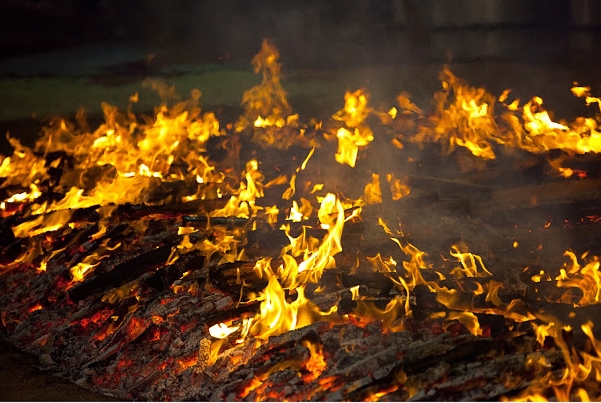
(278, 260)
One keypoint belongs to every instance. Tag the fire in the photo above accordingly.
(375, 397)
(42, 224)
(277, 315)
(398, 187)
(187, 362)
(36, 307)
(133, 160)
(469, 320)
(585, 92)
(391, 316)
(292, 188)
(124, 160)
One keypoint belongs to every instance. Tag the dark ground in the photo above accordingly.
(22, 381)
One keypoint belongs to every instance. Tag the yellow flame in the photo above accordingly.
(316, 363)
(398, 187)
(464, 117)
(222, 331)
(266, 105)
(42, 224)
(276, 315)
(469, 320)
(372, 194)
(242, 202)
(471, 265)
(356, 133)
(89, 262)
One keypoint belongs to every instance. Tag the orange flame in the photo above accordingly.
(316, 363)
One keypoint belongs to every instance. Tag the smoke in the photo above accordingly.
(315, 33)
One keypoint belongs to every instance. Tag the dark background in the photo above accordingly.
(315, 33)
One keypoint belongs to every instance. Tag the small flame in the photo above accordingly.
(316, 363)
(222, 331)
(587, 279)
(472, 265)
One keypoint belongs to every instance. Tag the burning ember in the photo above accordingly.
(175, 257)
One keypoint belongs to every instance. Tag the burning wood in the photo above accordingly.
(170, 257)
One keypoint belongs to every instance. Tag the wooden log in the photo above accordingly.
(230, 276)
(163, 278)
(121, 273)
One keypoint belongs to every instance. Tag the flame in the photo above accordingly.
(24, 197)
(269, 98)
(331, 213)
(398, 187)
(579, 365)
(587, 279)
(390, 316)
(537, 132)
(36, 307)
(42, 224)
(414, 265)
(86, 266)
(356, 133)
(316, 363)
(472, 265)
(243, 202)
(463, 117)
(120, 162)
(187, 362)
(372, 194)
(120, 293)
(492, 294)
(376, 396)
(298, 214)
(387, 267)
(591, 362)
(266, 105)
(276, 315)
(469, 320)
(292, 188)
(585, 92)
(222, 331)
